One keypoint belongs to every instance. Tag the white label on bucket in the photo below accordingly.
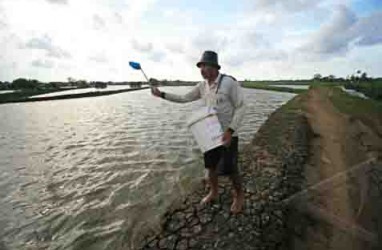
(213, 127)
(206, 128)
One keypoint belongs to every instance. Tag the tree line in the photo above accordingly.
(359, 76)
(359, 81)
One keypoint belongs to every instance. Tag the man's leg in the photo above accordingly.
(211, 160)
(230, 167)
(238, 195)
(206, 179)
(213, 181)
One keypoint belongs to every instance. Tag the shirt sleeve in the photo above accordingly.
(192, 95)
(237, 98)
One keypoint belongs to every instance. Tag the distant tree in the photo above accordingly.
(53, 85)
(154, 81)
(22, 83)
(100, 85)
(317, 77)
(353, 78)
(358, 76)
(82, 84)
(331, 78)
(71, 80)
(364, 76)
(6, 85)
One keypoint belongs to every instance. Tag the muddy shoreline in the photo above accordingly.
(277, 169)
(271, 166)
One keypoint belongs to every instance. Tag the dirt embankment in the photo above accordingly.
(311, 181)
(343, 177)
(271, 166)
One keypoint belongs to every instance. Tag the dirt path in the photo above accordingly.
(310, 182)
(337, 154)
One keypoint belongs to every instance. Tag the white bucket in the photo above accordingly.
(206, 128)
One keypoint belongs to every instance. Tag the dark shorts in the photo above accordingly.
(225, 158)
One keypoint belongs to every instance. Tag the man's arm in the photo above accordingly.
(193, 95)
(237, 98)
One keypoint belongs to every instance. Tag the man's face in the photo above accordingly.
(208, 71)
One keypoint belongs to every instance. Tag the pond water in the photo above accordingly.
(92, 173)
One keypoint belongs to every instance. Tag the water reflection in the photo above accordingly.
(292, 86)
(84, 90)
(89, 172)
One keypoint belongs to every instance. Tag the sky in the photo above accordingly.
(52, 40)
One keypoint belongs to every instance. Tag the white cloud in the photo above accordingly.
(45, 43)
(333, 37)
(42, 64)
(99, 22)
(288, 5)
(369, 29)
(175, 47)
(264, 39)
(157, 56)
(344, 31)
(58, 1)
(142, 46)
(99, 58)
(210, 40)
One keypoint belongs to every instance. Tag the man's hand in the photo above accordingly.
(155, 91)
(227, 137)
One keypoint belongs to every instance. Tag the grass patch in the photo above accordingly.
(371, 88)
(354, 105)
(278, 131)
(282, 82)
(326, 84)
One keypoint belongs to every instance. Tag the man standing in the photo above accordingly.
(223, 93)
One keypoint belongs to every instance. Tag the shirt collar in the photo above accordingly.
(215, 82)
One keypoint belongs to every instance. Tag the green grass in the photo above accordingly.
(283, 82)
(354, 105)
(371, 88)
(258, 85)
(299, 82)
(326, 84)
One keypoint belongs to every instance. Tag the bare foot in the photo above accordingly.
(211, 196)
(238, 202)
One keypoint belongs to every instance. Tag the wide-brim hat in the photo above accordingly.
(210, 58)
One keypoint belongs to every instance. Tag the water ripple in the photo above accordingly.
(93, 173)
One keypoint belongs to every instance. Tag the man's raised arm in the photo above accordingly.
(192, 95)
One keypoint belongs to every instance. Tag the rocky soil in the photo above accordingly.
(271, 173)
(312, 179)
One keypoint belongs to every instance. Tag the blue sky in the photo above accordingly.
(364, 7)
(52, 40)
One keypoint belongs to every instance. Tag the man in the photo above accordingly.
(223, 93)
